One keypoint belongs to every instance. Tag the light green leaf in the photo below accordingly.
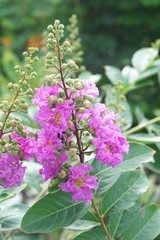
(11, 217)
(143, 137)
(114, 74)
(143, 58)
(86, 222)
(137, 155)
(9, 60)
(124, 193)
(131, 74)
(1, 236)
(54, 211)
(146, 225)
(86, 75)
(6, 193)
(94, 234)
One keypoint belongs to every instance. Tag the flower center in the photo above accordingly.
(79, 182)
(108, 148)
(57, 118)
(50, 142)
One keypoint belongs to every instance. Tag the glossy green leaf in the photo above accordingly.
(142, 59)
(137, 155)
(94, 234)
(114, 74)
(6, 193)
(124, 193)
(86, 222)
(53, 211)
(10, 218)
(143, 138)
(120, 221)
(146, 225)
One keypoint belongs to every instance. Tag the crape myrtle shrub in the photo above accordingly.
(94, 177)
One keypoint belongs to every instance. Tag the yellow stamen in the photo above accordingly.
(79, 182)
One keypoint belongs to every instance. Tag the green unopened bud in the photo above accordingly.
(50, 28)
(16, 86)
(10, 85)
(57, 22)
(60, 101)
(82, 110)
(79, 86)
(62, 174)
(66, 44)
(87, 104)
(72, 151)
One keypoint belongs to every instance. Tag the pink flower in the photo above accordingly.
(108, 140)
(79, 184)
(26, 145)
(11, 170)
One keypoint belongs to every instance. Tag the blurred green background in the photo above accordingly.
(111, 30)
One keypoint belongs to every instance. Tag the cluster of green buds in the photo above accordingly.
(116, 104)
(20, 91)
(75, 40)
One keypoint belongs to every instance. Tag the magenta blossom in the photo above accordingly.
(26, 145)
(11, 170)
(79, 184)
(107, 137)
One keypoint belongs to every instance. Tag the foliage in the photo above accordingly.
(117, 210)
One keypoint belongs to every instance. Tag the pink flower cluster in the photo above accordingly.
(79, 184)
(11, 170)
(108, 141)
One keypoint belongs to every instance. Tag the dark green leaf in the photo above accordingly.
(11, 217)
(146, 225)
(54, 211)
(86, 222)
(94, 234)
(124, 193)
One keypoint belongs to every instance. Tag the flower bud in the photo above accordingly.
(50, 28)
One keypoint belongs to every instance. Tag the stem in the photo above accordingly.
(10, 108)
(103, 226)
(142, 125)
(81, 154)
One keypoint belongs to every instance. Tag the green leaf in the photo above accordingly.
(23, 236)
(6, 193)
(114, 74)
(137, 155)
(9, 60)
(11, 217)
(1, 236)
(124, 193)
(120, 221)
(54, 211)
(143, 137)
(143, 58)
(94, 234)
(146, 225)
(86, 222)
(131, 74)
